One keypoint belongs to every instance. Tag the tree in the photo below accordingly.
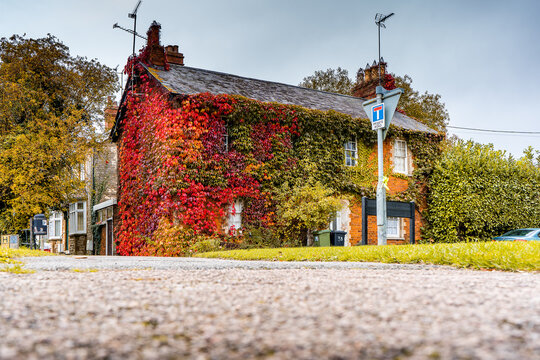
(50, 110)
(331, 80)
(426, 108)
(304, 209)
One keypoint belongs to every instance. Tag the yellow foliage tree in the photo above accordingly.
(50, 111)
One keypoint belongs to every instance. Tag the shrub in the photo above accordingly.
(206, 246)
(478, 192)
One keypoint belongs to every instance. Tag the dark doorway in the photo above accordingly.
(110, 245)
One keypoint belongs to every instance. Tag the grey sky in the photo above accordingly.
(481, 56)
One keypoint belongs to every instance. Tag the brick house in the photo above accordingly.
(86, 227)
(165, 67)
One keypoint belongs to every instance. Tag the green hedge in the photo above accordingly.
(478, 192)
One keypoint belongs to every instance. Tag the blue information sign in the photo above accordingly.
(377, 116)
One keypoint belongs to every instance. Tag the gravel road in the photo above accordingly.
(163, 308)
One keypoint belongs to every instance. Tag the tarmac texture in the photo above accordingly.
(155, 308)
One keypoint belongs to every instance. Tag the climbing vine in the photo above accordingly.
(183, 160)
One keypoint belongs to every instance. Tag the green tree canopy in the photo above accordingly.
(331, 80)
(426, 108)
(478, 192)
(50, 109)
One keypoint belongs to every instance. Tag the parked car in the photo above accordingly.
(520, 235)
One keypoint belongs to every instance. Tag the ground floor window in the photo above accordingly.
(77, 218)
(235, 215)
(55, 225)
(393, 228)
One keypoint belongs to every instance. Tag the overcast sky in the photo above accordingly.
(481, 56)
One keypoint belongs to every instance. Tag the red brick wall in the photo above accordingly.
(395, 185)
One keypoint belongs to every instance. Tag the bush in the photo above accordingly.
(305, 209)
(207, 245)
(478, 192)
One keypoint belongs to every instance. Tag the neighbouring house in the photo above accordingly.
(204, 152)
(88, 221)
(104, 185)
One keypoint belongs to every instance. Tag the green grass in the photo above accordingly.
(508, 256)
(9, 262)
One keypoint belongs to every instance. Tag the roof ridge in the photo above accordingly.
(266, 81)
(196, 80)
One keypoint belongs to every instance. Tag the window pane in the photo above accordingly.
(80, 221)
(392, 229)
(350, 153)
(57, 228)
(80, 206)
(72, 224)
(400, 156)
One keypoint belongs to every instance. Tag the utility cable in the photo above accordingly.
(496, 131)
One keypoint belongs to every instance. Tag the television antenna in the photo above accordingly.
(379, 20)
(132, 15)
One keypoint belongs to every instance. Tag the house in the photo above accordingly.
(86, 227)
(204, 152)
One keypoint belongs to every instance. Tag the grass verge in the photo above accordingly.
(507, 256)
(9, 262)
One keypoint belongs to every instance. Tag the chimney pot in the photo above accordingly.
(173, 56)
(365, 88)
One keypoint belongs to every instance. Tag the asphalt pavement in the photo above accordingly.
(170, 308)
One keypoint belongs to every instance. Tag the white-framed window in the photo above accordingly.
(235, 215)
(82, 172)
(55, 225)
(335, 224)
(351, 153)
(400, 157)
(393, 228)
(77, 218)
(226, 140)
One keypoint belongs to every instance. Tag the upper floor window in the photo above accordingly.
(226, 140)
(400, 157)
(351, 153)
(82, 172)
(77, 218)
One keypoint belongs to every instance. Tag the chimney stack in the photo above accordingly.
(110, 113)
(173, 56)
(157, 54)
(368, 79)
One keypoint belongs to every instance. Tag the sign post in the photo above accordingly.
(381, 111)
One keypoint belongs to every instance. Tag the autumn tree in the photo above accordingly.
(50, 111)
(426, 108)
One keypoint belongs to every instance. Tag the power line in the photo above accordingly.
(497, 131)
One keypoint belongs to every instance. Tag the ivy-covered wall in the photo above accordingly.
(177, 177)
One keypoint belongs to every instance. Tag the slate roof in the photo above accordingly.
(187, 80)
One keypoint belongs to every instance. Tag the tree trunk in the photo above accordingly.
(309, 237)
